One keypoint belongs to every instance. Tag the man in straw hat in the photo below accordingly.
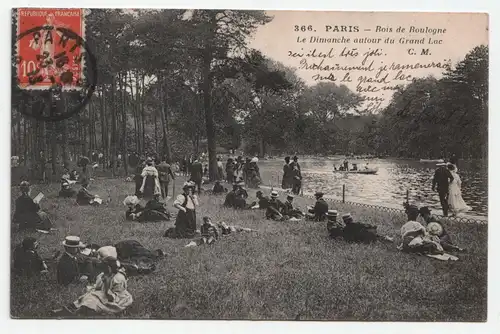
(73, 265)
(334, 228)
(442, 179)
(320, 209)
(361, 232)
(186, 203)
(274, 208)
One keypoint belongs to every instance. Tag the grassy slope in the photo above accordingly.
(284, 271)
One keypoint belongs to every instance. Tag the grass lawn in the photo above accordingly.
(285, 271)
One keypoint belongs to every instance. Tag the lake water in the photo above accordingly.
(389, 185)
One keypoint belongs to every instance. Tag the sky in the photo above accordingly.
(464, 31)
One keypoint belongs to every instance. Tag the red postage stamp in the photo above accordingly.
(49, 47)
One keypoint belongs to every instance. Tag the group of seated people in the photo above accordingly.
(431, 239)
(154, 210)
(103, 269)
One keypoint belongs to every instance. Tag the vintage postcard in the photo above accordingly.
(249, 165)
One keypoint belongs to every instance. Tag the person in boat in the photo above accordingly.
(165, 176)
(230, 170)
(28, 214)
(436, 227)
(286, 181)
(109, 295)
(415, 237)
(354, 167)
(296, 179)
(151, 182)
(274, 207)
(74, 266)
(27, 262)
(320, 209)
(84, 197)
(197, 174)
(287, 210)
(66, 190)
(185, 223)
(442, 179)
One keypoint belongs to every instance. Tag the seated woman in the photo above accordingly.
(230, 197)
(66, 190)
(154, 211)
(27, 262)
(134, 207)
(436, 228)
(218, 188)
(84, 197)
(240, 196)
(73, 175)
(263, 201)
(109, 295)
(28, 214)
(415, 237)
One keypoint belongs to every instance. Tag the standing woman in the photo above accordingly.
(455, 201)
(186, 203)
(286, 182)
(150, 183)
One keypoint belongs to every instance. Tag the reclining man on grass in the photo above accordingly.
(352, 231)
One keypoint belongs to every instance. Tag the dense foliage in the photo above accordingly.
(179, 82)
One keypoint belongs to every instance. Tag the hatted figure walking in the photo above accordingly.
(151, 182)
(442, 179)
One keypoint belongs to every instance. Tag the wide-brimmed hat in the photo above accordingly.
(318, 194)
(258, 193)
(435, 229)
(424, 210)
(347, 218)
(295, 157)
(187, 185)
(131, 200)
(332, 213)
(441, 164)
(274, 193)
(24, 185)
(254, 159)
(240, 184)
(73, 241)
(107, 253)
(290, 196)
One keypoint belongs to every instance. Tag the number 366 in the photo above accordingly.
(303, 28)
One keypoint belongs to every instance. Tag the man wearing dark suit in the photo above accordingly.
(442, 178)
(165, 175)
(197, 174)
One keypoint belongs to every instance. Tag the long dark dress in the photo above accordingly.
(185, 223)
(138, 181)
(27, 262)
(28, 215)
(149, 186)
(286, 181)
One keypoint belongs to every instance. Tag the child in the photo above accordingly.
(209, 233)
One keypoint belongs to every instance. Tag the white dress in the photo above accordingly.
(455, 200)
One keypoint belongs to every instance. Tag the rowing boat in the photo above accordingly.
(369, 171)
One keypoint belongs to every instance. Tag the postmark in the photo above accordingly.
(56, 72)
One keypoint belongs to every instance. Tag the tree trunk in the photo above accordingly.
(124, 124)
(113, 129)
(53, 146)
(64, 144)
(142, 114)
(164, 120)
(209, 120)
